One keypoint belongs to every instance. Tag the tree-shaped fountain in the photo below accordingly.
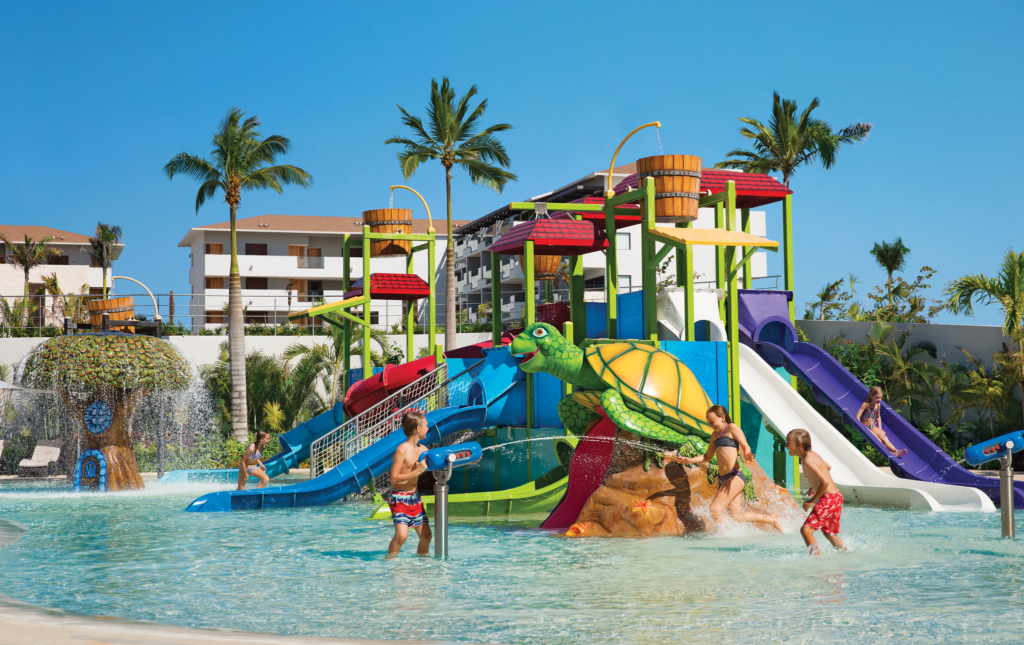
(101, 378)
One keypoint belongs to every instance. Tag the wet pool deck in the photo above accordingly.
(24, 624)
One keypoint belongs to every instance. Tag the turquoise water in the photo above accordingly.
(909, 578)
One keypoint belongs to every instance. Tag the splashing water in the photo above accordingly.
(658, 131)
(391, 199)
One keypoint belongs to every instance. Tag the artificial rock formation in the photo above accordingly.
(673, 500)
(101, 378)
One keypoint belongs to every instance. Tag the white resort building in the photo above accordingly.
(286, 261)
(73, 267)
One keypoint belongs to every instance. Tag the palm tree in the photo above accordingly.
(52, 287)
(787, 142)
(28, 255)
(452, 139)
(242, 160)
(103, 243)
(891, 256)
(1007, 289)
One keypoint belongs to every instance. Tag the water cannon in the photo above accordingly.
(442, 461)
(461, 454)
(995, 448)
(1001, 448)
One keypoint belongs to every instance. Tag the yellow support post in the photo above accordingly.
(748, 279)
(409, 320)
(733, 318)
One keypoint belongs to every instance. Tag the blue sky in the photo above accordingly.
(96, 97)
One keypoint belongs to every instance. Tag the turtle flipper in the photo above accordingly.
(577, 410)
(635, 422)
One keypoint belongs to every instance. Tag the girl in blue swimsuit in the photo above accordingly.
(251, 464)
(726, 442)
(870, 414)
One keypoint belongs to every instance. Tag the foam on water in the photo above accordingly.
(909, 577)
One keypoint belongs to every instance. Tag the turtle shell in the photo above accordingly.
(654, 383)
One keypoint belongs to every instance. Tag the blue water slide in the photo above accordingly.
(347, 478)
(295, 445)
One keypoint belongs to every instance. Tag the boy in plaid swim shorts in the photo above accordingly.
(404, 500)
(826, 502)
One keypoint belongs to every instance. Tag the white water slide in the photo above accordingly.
(784, 408)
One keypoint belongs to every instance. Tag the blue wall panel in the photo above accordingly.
(597, 319)
(631, 315)
(547, 392)
(709, 363)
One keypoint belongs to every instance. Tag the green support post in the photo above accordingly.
(409, 320)
(611, 272)
(496, 299)
(787, 260)
(684, 279)
(567, 332)
(748, 279)
(367, 367)
(721, 270)
(577, 293)
(346, 334)
(787, 252)
(733, 319)
(649, 277)
(432, 299)
(531, 317)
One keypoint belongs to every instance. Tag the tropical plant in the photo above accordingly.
(985, 387)
(451, 138)
(788, 142)
(28, 255)
(904, 379)
(242, 160)
(1007, 289)
(103, 246)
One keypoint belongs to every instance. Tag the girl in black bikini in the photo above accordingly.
(252, 463)
(726, 442)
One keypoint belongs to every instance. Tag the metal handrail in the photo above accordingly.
(387, 412)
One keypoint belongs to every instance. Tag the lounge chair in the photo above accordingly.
(45, 453)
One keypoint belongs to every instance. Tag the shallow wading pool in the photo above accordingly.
(909, 578)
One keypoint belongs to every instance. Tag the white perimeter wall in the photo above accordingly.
(980, 340)
(203, 350)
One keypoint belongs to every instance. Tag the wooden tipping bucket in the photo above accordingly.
(389, 220)
(118, 308)
(545, 267)
(677, 182)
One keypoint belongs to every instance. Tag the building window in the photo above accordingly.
(59, 260)
(214, 318)
(255, 283)
(95, 291)
(255, 249)
(316, 289)
(215, 283)
(256, 318)
(94, 263)
(215, 249)
(625, 282)
(374, 316)
(622, 241)
(594, 283)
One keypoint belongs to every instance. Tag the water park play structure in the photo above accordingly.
(731, 345)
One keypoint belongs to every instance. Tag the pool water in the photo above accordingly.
(908, 578)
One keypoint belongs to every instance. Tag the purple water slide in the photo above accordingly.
(835, 386)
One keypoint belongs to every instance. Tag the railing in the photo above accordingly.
(428, 393)
(310, 262)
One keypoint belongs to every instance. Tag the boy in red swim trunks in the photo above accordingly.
(404, 500)
(826, 500)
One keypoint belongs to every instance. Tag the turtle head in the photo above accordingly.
(544, 348)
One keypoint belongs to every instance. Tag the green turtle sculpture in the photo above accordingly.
(643, 390)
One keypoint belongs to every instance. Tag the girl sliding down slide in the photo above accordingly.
(870, 414)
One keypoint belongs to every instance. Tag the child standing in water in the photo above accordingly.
(725, 443)
(405, 503)
(252, 464)
(870, 414)
(826, 500)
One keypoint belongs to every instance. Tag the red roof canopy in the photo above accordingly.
(752, 189)
(559, 236)
(597, 219)
(391, 286)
